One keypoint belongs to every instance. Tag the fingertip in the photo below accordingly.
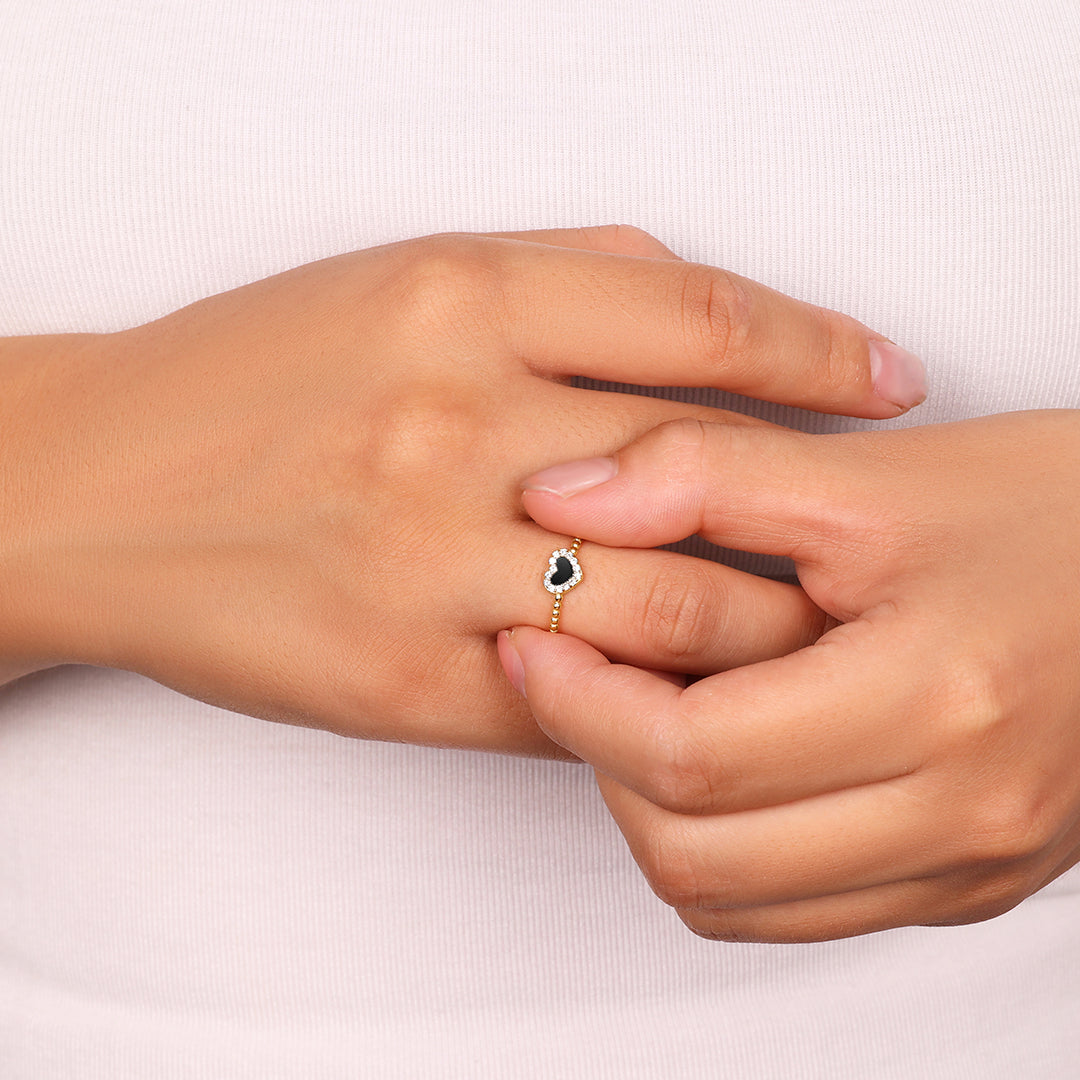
(549, 662)
(618, 501)
(534, 648)
(572, 477)
(899, 376)
(511, 660)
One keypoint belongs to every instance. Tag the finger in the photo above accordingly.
(828, 717)
(828, 918)
(841, 842)
(757, 489)
(615, 239)
(666, 322)
(943, 900)
(654, 609)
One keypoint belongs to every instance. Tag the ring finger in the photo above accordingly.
(654, 608)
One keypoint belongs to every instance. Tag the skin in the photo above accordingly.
(917, 763)
(298, 499)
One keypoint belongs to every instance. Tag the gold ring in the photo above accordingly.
(563, 573)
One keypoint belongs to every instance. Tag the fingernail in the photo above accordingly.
(898, 375)
(573, 476)
(511, 661)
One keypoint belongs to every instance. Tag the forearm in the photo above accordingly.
(37, 407)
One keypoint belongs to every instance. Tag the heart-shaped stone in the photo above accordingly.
(564, 571)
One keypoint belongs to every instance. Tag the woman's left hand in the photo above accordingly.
(920, 763)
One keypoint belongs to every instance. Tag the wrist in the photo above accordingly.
(43, 621)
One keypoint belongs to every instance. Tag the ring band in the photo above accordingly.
(563, 573)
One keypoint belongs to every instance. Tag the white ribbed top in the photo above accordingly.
(188, 893)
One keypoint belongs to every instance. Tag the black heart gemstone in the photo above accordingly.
(564, 571)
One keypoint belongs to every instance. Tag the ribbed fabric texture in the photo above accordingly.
(185, 893)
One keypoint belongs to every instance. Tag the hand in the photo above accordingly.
(298, 499)
(919, 764)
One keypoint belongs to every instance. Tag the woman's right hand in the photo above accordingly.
(299, 499)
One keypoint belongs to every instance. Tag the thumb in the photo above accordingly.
(767, 490)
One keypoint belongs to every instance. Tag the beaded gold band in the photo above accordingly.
(563, 573)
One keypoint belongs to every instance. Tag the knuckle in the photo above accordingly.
(679, 447)
(671, 870)
(681, 614)
(423, 436)
(447, 279)
(628, 238)
(840, 355)
(987, 899)
(715, 310)
(684, 777)
(1006, 892)
(974, 699)
(1010, 828)
(631, 234)
(973, 688)
(1012, 811)
(634, 241)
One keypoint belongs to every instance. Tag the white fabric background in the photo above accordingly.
(189, 893)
